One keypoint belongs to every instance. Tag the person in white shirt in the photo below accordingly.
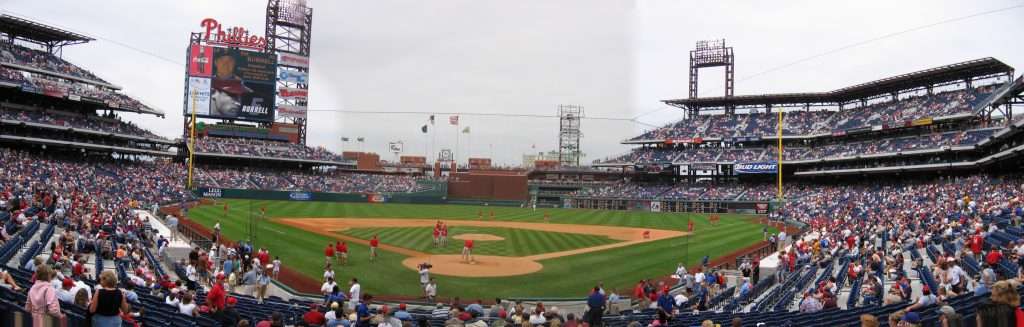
(431, 290)
(424, 275)
(65, 292)
(187, 306)
(172, 299)
(328, 272)
(354, 293)
(327, 287)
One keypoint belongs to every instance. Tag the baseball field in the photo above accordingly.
(518, 253)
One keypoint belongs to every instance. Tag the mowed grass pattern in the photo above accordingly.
(516, 243)
(571, 276)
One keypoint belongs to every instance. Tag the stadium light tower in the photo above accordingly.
(712, 53)
(569, 117)
(289, 24)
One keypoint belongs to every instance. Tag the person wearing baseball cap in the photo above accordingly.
(65, 294)
(314, 317)
(216, 297)
(402, 314)
(912, 319)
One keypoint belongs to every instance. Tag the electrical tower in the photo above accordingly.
(289, 23)
(569, 117)
(712, 53)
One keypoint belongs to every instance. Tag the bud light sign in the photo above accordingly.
(756, 168)
(300, 196)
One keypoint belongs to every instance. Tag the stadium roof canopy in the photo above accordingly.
(23, 29)
(958, 72)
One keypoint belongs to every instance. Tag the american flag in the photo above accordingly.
(454, 120)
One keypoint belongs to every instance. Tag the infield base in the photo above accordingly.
(483, 265)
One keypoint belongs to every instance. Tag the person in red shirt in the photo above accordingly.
(264, 256)
(467, 251)
(374, 243)
(314, 317)
(993, 257)
(976, 243)
(444, 235)
(638, 290)
(216, 297)
(337, 250)
(328, 254)
(343, 252)
(437, 235)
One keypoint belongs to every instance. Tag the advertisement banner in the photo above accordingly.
(231, 83)
(761, 208)
(292, 93)
(655, 206)
(200, 61)
(198, 96)
(300, 196)
(74, 97)
(293, 60)
(921, 122)
(756, 168)
(293, 76)
(290, 111)
(376, 198)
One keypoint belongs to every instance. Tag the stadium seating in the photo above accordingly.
(262, 148)
(15, 54)
(942, 104)
(68, 119)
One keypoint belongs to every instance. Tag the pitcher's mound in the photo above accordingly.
(478, 237)
(484, 265)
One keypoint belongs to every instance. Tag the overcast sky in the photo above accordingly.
(615, 58)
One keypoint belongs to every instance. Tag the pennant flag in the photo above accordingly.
(360, 139)
(344, 139)
(424, 129)
(465, 130)
(431, 119)
(454, 120)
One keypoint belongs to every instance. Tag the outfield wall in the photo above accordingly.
(433, 196)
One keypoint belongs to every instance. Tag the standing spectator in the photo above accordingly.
(431, 290)
(216, 297)
(354, 291)
(42, 300)
(363, 311)
(262, 282)
(172, 224)
(595, 307)
(108, 302)
(277, 267)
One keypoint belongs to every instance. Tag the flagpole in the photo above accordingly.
(456, 146)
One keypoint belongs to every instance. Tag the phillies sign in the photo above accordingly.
(232, 36)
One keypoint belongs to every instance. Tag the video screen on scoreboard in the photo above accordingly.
(230, 83)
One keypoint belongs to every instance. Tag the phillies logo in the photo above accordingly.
(233, 36)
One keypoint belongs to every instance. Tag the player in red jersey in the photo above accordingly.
(374, 243)
(444, 235)
(467, 251)
(343, 252)
(328, 254)
(437, 235)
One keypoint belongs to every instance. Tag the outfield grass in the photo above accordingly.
(516, 243)
(571, 276)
